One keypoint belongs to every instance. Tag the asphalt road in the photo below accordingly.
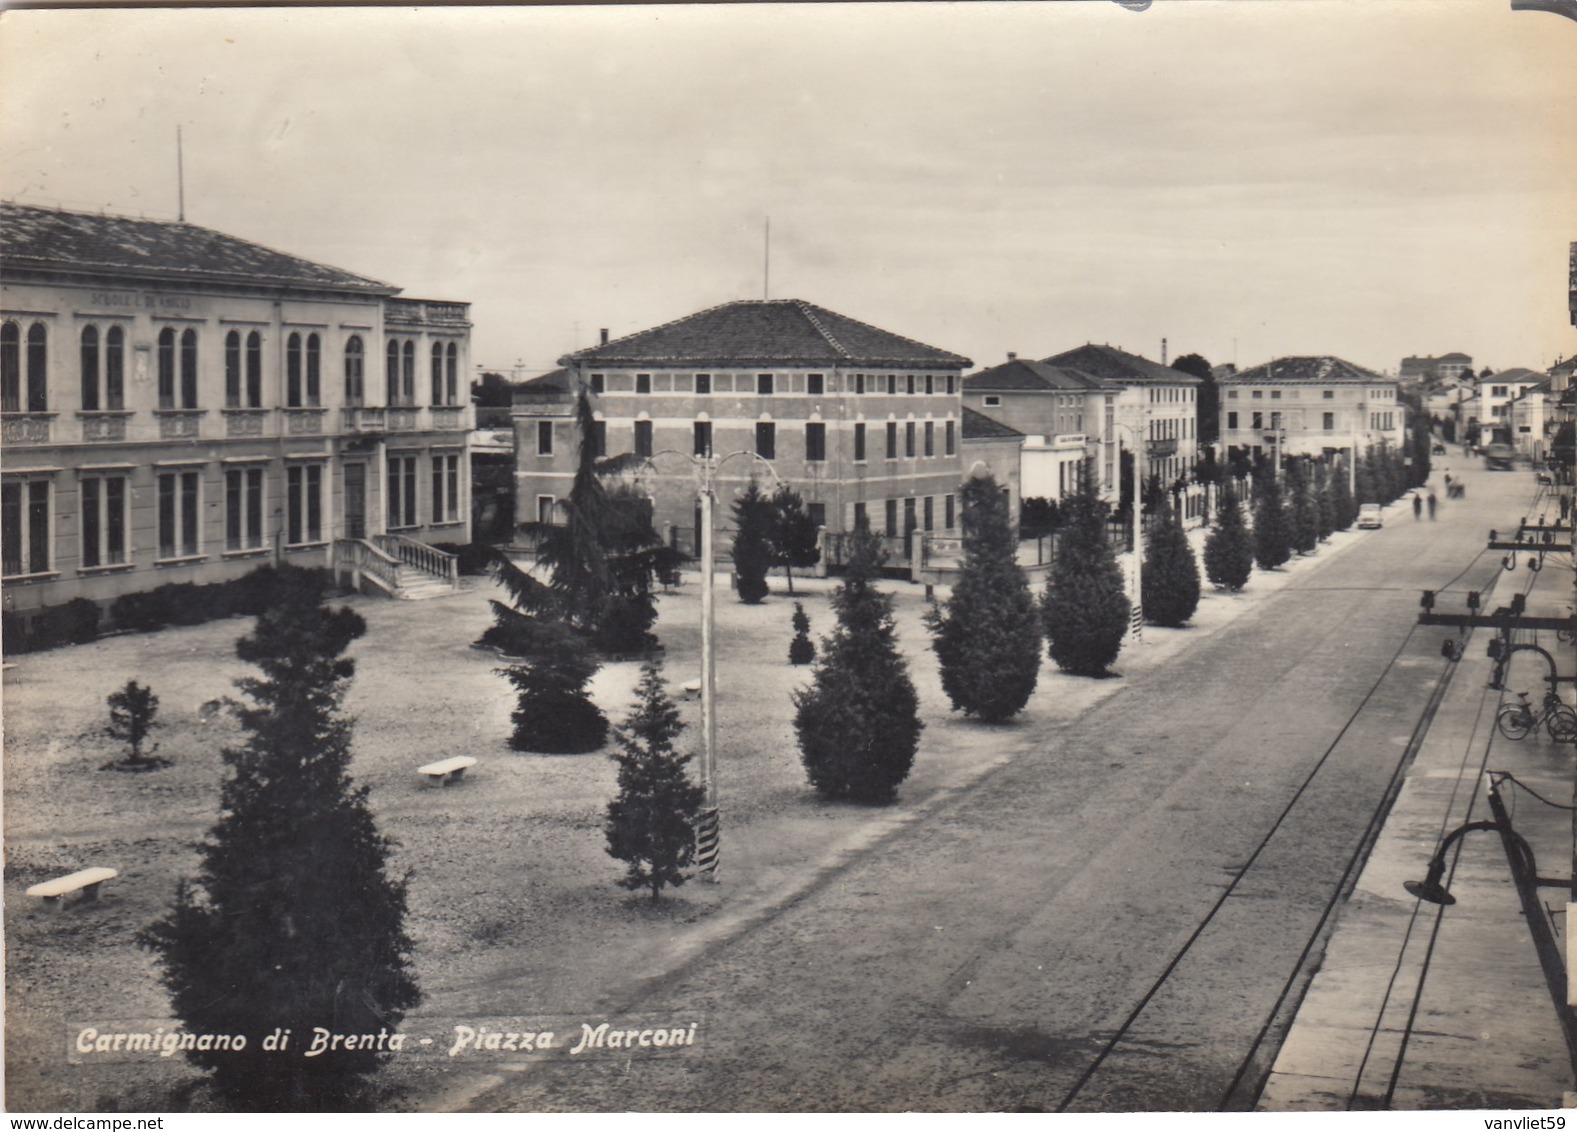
(1120, 919)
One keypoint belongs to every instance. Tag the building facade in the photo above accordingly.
(1309, 406)
(861, 422)
(180, 405)
(1063, 414)
(1452, 367)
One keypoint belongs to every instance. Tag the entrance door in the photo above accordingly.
(356, 501)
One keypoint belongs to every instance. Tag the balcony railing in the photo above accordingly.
(362, 418)
(26, 428)
(427, 559)
(245, 422)
(99, 426)
(304, 422)
(179, 424)
(448, 418)
(404, 419)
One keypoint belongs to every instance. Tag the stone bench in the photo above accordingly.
(446, 771)
(691, 688)
(87, 880)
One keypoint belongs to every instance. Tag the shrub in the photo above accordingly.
(1272, 538)
(752, 550)
(801, 650)
(1229, 552)
(1171, 576)
(1084, 609)
(553, 712)
(134, 712)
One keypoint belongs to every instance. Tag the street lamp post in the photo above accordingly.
(1137, 612)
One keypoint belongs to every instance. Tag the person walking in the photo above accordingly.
(1431, 507)
(1418, 507)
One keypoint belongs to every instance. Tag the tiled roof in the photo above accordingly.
(978, 426)
(1319, 370)
(556, 381)
(56, 240)
(1120, 367)
(1019, 375)
(1516, 375)
(767, 332)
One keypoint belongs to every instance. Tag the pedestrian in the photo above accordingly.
(1418, 507)
(1448, 483)
(1431, 507)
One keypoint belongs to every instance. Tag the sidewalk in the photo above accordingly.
(1419, 1006)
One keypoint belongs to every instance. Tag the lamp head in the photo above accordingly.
(1430, 888)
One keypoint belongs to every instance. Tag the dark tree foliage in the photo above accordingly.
(1229, 551)
(794, 533)
(1303, 516)
(651, 821)
(1207, 398)
(1324, 502)
(1038, 516)
(493, 391)
(754, 526)
(1272, 536)
(134, 713)
(1420, 439)
(859, 721)
(801, 649)
(986, 637)
(554, 713)
(1344, 508)
(1084, 609)
(602, 561)
(291, 921)
(1170, 581)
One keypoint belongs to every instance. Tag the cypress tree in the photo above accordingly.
(1084, 609)
(987, 640)
(1302, 510)
(794, 533)
(858, 723)
(291, 922)
(1324, 502)
(753, 527)
(1272, 539)
(651, 822)
(801, 650)
(554, 712)
(1344, 508)
(1170, 591)
(1229, 552)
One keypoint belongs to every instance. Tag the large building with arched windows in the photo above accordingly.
(179, 405)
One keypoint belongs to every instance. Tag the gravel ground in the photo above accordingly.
(513, 903)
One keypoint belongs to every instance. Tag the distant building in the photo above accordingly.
(1425, 371)
(991, 446)
(179, 405)
(1055, 408)
(863, 423)
(1497, 391)
(1309, 406)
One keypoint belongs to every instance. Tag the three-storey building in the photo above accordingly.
(1309, 406)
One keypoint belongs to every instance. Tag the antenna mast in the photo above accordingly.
(180, 178)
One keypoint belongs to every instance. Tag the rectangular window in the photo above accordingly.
(643, 438)
(104, 521)
(703, 383)
(1329, 422)
(597, 381)
(643, 383)
(1232, 419)
(599, 439)
(949, 513)
(892, 440)
(930, 383)
(544, 438)
(817, 513)
(815, 384)
(1258, 421)
(703, 438)
(545, 510)
(764, 384)
(766, 440)
(178, 517)
(909, 520)
(930, 438)
(892, 385)
(859, 441)
(304, 503)
(949, 441)
(909, 384)
(24, 531)
(1275, 420)
(859, 383)
(929, 522)
(992, 402)
(1258, 394)
(892, 518)
(1328, 394)
(402, 491)
(860, 518)
(908, 439)
(446, 489)
(244, 509)
(1275, 395)
(815, 441)
(952, 388)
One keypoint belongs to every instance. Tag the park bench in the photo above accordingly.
(446, 771)
(691, 688)
(88, 880)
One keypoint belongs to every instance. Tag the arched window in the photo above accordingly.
(37, 368)
(233, 369)
(90, 368)
(354, 373)
(188, 369)
(10, 368)
(166, 368)
(391, 371)
(293, 371)
(254, 370)
(438, 373)
(115, 368)
(452, 375)
(314, 370)
(408, 374)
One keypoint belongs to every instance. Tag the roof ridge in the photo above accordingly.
(805, 309)
(873, 327)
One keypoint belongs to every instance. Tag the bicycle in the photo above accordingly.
(1517, 720)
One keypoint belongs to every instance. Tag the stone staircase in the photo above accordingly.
(414, 584)
(397, 567)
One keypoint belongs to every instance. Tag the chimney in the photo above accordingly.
(1012, 357)
(604, 335)
(1163, 351)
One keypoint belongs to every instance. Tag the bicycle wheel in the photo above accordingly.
(1562, 724)
(1514, 721)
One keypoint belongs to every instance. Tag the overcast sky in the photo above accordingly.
(1248, 179)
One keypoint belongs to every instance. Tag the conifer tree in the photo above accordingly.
(651, 822)
(858, 723)
(801, 650)
(987, 639)
(1302, 511)
(1272, 539)
(753, 529)
(134, 713)
(1229, 551)
(1084, 609)
(1344, 508)
(291, 922)
(554, 713)
(794, 533)
(1324, 502)
(1171, 575)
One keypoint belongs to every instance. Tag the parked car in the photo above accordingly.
(1369, 517)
